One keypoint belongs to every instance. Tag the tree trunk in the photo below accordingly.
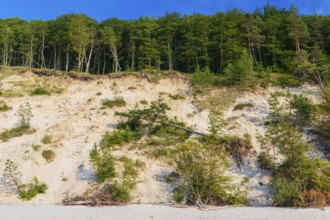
(67, 60)
(43, 62)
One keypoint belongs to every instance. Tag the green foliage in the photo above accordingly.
(36, 147)
(130, 170)
(16, 132)
(49, 155)
(303, 107)
(107, 103)
(242, 106)
(202, 78)
(13, 180)
(121, 192)
(24, 114)
(4, 107)
(241, 71)
(46, 139)
(32, 189)
(286, 193)
(104, 164)
(202, 168)
(134, 119)
(176, 97)
(117, 137)
(144, 102)
(40, 91)
(297, 177)
(12, 176)
(216, 124)
(283, 80)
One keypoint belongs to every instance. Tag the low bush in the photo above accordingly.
(284, 80)
(36, 147)
(176, 97)
(16, 132)
(4, 107)
(121, 191)
(104, 164)
(242, 106)
(117, 137)
(40, 91)
(303, 108)
(32, 189)
(49, 155)
(202, 171)
(46, 139)
(144, 102)
(107, 103)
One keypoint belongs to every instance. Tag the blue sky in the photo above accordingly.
(132, 9)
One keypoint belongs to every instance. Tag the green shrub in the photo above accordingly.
(242, 106)
(265, 161)
(202, 77)
(176, 97)
(202, 168)
(144, 102)
(98, 94)
(32, 189)
(40, 91)
(49, 155)
(121, 192)
(16, 132)
(284, 80)
(303, 107)
(117, 137)
(25, 114)
(104, 164)
(107, 103)
(129, 168)
(4, 107)
(46, 139)
(286, 193)
(36, 147)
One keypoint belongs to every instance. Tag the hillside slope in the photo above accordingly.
(75, 120)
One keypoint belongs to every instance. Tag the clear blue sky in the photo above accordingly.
(132, 9)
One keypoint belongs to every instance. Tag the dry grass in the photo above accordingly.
(217, 99)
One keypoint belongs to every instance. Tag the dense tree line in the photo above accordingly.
(277, 39)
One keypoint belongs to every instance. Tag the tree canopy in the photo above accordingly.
(273, 37)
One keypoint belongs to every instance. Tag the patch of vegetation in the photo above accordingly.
(12, 179)
(176, 97)
(285, 80)
(302, 107)
(49, 155)
(118, 137)
(201, 168)
(144, 102)
(32, 189)
(24, 114)
(36, 147)
(242, 106)
(107, 103)
(297, 177)
(16, 132)
(40, 91)
(23, 126)
(4, 107)
(11, 93)
(98, 94)
(155, 78)
(46, 139)
(104, 163)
